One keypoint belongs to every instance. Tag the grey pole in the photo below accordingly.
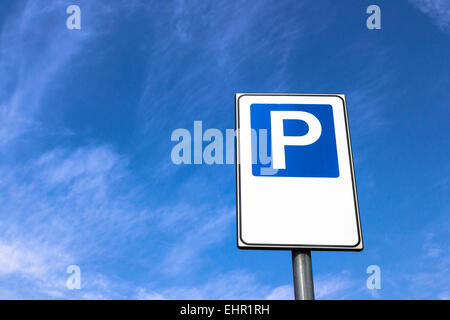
(303, 277)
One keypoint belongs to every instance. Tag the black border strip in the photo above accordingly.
(357, 247)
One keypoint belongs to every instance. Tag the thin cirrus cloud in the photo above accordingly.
(220, 42)
(35, 47)
(63, 209)
(26, 74)
(52, 205)
(237, 284)
(185, 252)
(437, 10)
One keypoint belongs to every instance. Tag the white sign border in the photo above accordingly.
(241, 244)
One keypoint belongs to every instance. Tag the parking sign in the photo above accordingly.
(294, 173)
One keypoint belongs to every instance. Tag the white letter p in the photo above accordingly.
(279, 140)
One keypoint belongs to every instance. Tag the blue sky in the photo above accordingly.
(86, 116)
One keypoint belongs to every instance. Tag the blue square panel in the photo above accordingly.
(293, 140)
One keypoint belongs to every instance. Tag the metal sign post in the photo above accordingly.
(303, 277)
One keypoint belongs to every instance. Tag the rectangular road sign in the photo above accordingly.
(294, 173)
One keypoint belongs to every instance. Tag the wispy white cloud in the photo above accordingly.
(75, 206)
(334, 286)
(64, 208)
(437, 10)
(25, 76)
(186, 248)
(225, 37)
(238, 284)
(35, 50)
(36, 262)
(63, 181)
(444, 296)
(426, 274)
(285, 292)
